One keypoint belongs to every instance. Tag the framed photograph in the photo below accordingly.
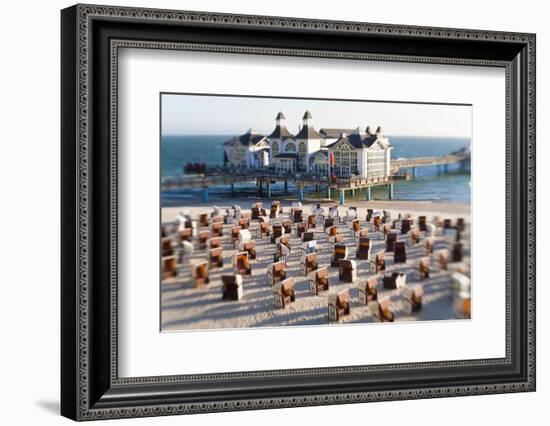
(263, 212)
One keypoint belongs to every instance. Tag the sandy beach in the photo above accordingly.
(184, 307)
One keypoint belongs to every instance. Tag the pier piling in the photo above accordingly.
(301, 193)
(390, 191)
(368, 194)
(205, 195)
(268, 191)
(342, 197)
(328, 191)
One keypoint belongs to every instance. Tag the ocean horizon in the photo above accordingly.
(429, 185)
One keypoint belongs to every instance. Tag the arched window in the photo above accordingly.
(274, 149)
(290, 147)
(345, 160)
(302, 155)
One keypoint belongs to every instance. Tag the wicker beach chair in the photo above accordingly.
(311, 221)
(277, 231)
(184, 220)
(394, 280)
(380, 262)
(376, 223)
(461, 294)
(399, 252)
(297, 215)
(276, 272)
(332, 230)
(458, 252)
(300, 229)
(329, 221)
(351, 214)
(412, 298)
(204, 221)
(308, 263)
(186, 251)
(204, 236)
(282, 251)
(415, 236)
(199, 273)
(429, 245)
(370, 212)
(217, 229)
(460, 224)
(381, 310)
(307, 236)
(347, 271)
(255, 211)
(318, 280)
(217, 219)
(363, 248)
(186, 234)
(215, 212)
(405, 226)
(338, 305)
(241, 263)
(232, 287)
(287, 226)
(368, 292)
(246, 243)
(309, 246)
(355, 226)
(169, 267)
(167, 245)
(263, 228)
(443, 259)
(336, 239)
(340, 252)
(244, 222)
(283, 293)
(215, 242)
(235, 234)
(424, 268)
(363, 233)
(422, 224)
(216, 257)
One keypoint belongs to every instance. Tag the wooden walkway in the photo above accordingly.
(263, 176)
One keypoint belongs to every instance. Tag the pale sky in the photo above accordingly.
(233, 115)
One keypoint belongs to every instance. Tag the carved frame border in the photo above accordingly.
(85, 13)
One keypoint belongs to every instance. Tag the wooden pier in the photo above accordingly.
(401, 168)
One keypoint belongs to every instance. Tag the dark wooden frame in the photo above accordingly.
(90, 386)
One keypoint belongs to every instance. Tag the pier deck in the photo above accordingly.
(267, 177)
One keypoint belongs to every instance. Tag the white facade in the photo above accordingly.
(360, 153)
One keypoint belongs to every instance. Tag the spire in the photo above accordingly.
(280, 132)
(306, 130)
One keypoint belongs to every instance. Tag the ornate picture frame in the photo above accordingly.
(91, 37)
